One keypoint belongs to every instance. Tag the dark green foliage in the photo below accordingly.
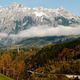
(64, 22)
(27, 21)
(52, 52)
(18, 24)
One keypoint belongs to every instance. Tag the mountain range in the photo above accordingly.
(37, 26)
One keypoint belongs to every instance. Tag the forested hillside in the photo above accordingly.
(47, 63)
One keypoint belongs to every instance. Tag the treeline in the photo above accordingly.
(60, 52)
(52, 59)
(12, 67)
(15, 62)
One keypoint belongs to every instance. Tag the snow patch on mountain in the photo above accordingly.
(17, 17)
(39, 14)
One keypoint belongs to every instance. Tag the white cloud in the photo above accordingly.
(41, 31)
(2, 35)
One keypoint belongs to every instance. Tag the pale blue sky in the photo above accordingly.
(72, 5)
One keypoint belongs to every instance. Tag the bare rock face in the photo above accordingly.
(16, 17)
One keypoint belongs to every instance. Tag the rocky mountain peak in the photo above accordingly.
(17, 17)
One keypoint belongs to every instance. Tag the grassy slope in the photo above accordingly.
(3, 77)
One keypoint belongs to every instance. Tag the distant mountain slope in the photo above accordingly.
(43, 41)
(19, 24)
